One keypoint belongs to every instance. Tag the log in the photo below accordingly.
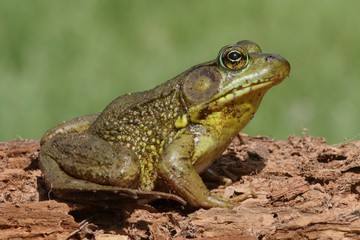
(306, 190)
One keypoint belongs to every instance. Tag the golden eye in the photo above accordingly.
(233, 58)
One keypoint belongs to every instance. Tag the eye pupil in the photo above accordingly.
(234, 56)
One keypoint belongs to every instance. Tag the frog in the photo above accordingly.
(155, 144)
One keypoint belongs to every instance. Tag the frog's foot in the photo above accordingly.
(215, 201)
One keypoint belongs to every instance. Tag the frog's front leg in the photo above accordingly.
(178, 173)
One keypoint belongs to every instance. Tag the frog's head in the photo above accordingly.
(233, 85)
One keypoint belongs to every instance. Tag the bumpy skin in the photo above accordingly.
(165, 136)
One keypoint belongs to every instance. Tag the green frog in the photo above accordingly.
(154, 144)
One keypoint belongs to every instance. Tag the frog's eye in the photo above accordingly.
(233, 58)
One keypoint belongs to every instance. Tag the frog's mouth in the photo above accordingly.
(236, 94)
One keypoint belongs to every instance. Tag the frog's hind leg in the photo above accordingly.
(90, 158)
(70, 188)
(75, 125)
(67, 187)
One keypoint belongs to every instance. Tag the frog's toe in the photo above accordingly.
(244, 196)
(215, 201)
(210, 175)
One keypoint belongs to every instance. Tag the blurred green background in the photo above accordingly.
(61, 59)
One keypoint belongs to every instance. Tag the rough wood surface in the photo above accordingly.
(306, 190)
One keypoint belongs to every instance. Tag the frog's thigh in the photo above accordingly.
(93, 159)
(76, 125)
(178, 173)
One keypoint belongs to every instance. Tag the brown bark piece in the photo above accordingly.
(306, 190)
(22, 215)
(37, 220)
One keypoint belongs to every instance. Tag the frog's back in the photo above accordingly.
(141, 119)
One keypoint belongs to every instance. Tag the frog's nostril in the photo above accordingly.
(273, 57)
(269, 58)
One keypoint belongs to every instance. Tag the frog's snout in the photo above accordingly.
(285, 65)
